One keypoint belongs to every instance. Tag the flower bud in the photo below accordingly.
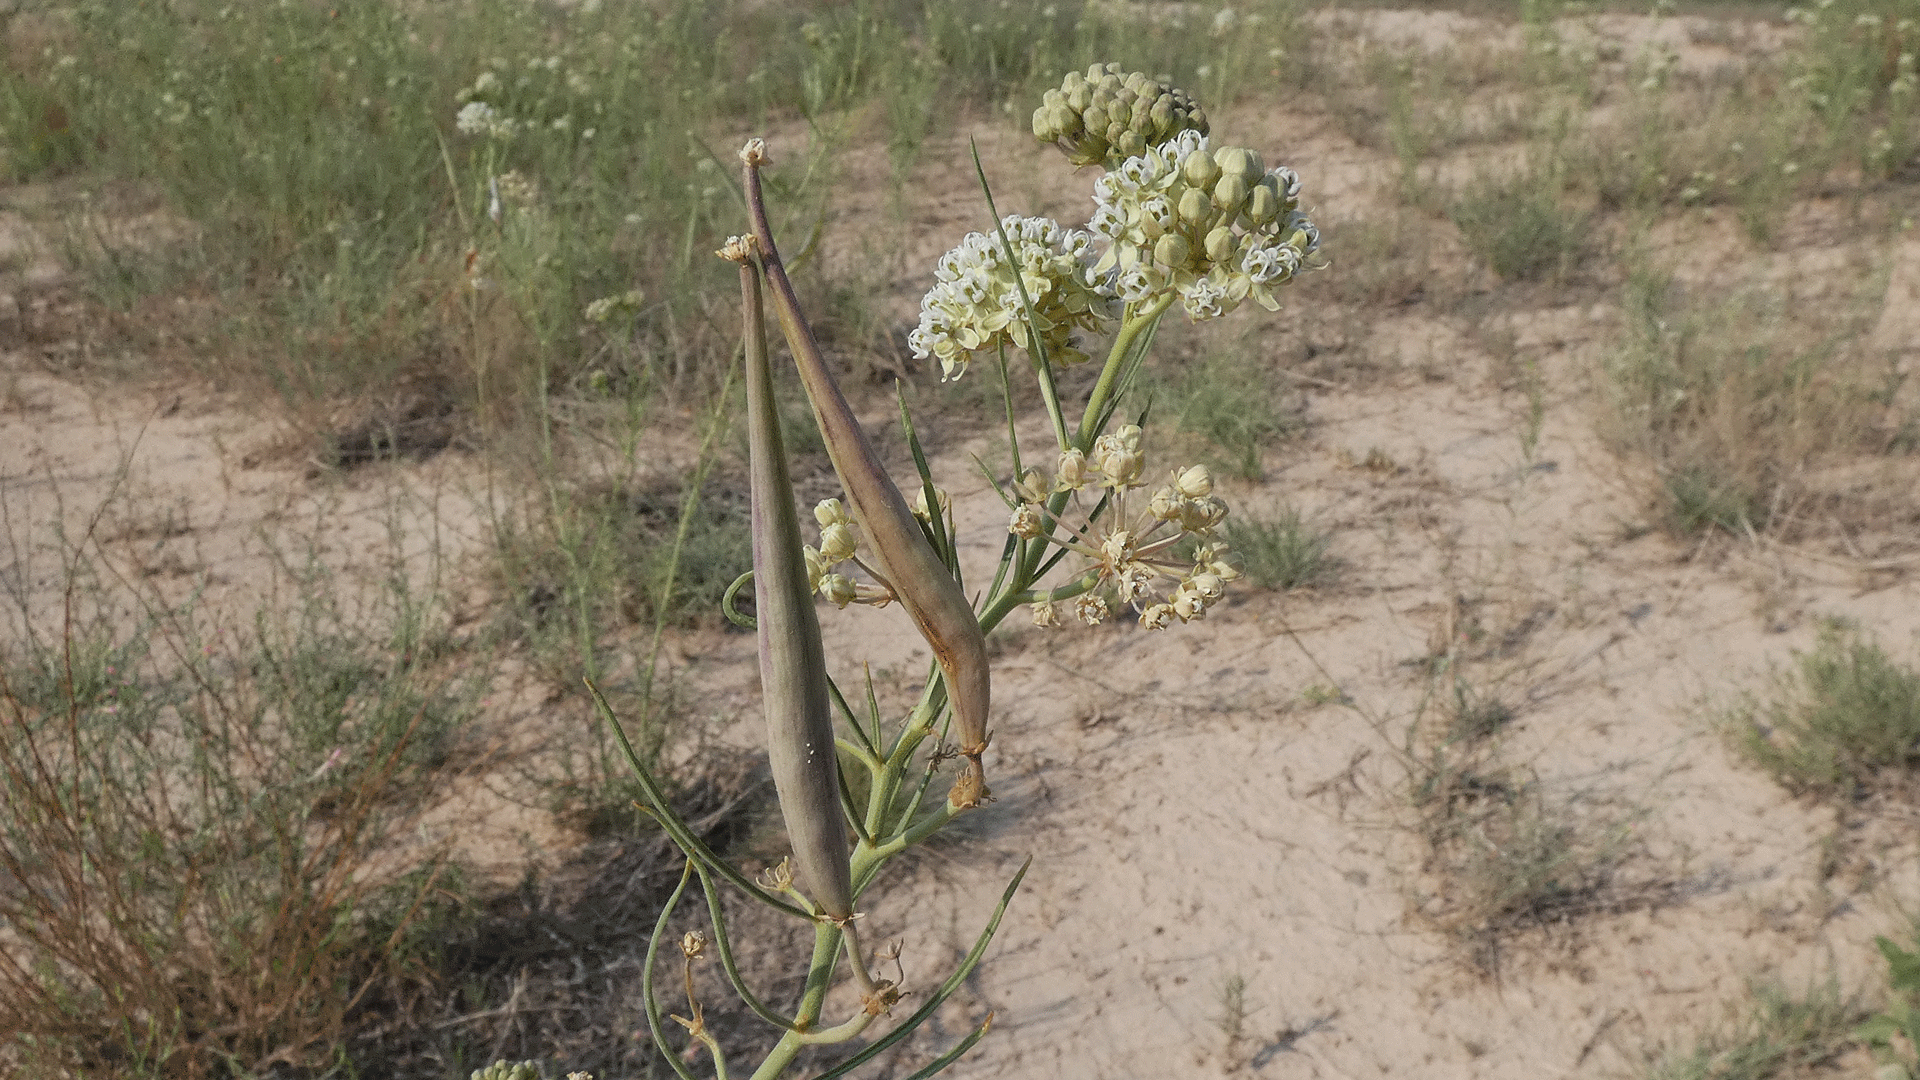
(1240, 161)
(1031, 487)
(1072, 473)
(1165, 505)
(1201, 171)
(837, 542)
(1195, 207)
(816, 567)
(920, 502)
(1171, 250)
(829, 512)
(838, 589)
(1220, 244)
(1230, 192)
(1262, 204)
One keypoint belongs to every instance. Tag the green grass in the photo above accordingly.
(1781, 1036)
(1845, 723)
(1281, 552)
(1735, 398)
(1521, 229)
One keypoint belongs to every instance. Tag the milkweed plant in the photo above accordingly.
(1094, 532)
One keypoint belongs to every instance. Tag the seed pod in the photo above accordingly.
(793, 664)
(914, 573)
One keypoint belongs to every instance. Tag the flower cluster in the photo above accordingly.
(839, 540)
(1107, 116)
(1132, 548)
(975, 301)
(1215, 226)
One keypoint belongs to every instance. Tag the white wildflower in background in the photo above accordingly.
(975, 304)
(1214, 226)
(480, 118)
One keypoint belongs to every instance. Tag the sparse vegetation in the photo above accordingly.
(206, 863)
(1846, 724)
(1784, 1035)
(196, 827)
(1283, 551)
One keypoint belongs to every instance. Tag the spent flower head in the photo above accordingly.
(1108, 115)
(1214, 226)
(975, 303)
(1132, 549)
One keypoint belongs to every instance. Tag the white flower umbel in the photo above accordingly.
(1212, 226)
(975, 303)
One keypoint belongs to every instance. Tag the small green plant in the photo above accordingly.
(1844, 725)
(1894, 1033)
(1520, 228)
(1506, 854)
(1231, 400)
(1283, 551)
(1733, 400)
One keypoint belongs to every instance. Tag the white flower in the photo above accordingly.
(975, 301)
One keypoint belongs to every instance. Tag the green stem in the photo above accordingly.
(826, 952)
(1130, 329)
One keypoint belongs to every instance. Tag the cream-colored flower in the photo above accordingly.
(975, 302)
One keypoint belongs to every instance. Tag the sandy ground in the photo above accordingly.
(1228, 801)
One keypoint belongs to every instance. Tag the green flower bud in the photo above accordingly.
(508, 1070)
(1195, 207)
(1230, 192)
(1171, 250)
(1220, 244)
(1162, 112)
(1126, 111)
(1262, 204)
(1239, 161)
(1201, 171)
